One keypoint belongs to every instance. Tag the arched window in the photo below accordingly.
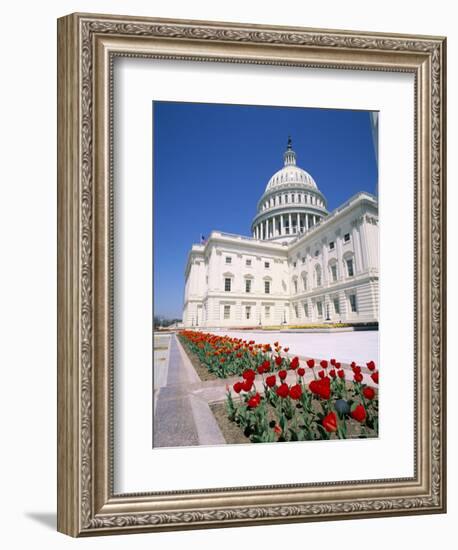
(333, 273)
(349, 264)
(304, 280)
(318, 275)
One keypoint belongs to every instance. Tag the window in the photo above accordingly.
(331, 245)
(319, 309)
(227, 312)
(267, 287)
(306, 309)
(295, 287)
(294, 264)
(227, 284)
(228, 260)
(304, 281)
(347, 238)
(303, 259)
(248, 263)
(267, 265)
(247, 285)
(248, 312)
(296, 311)
(267, 312)
(316, 253)
(352, 299)
(350, 270)
(335, 301)
(334, 272)
(318, 276)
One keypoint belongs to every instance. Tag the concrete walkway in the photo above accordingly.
(182, 415)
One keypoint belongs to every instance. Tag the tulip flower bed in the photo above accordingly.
(223, 356)
(328, 407)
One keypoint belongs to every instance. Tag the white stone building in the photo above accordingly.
(302, 265)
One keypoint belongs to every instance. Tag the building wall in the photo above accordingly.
(312, 279)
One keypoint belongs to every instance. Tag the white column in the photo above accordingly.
(324, 246)
(306, 222)
(290, 225)
(340, 267)
(364, 245)
(275, 226)
(282, 231)
(298, 227)
(356, 246)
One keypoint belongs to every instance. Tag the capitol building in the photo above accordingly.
(302, 265)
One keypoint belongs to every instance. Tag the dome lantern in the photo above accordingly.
(289, 155)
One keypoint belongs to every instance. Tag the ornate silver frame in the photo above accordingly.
(87, 44)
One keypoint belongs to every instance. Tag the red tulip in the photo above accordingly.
(358, 377)
(324, 364)
(330, 422)
(359, 413)
(368, 392)
(283, 390)
(247, 385)
(321, 387)
(374, 377)
(321, 374)
(341, 373)
(254, 401)
(332, 373)
(271, 381)
(278, 360)
(282, 374)
(333, 362)
(238, 387)
(310, 363)
(286, 350)
(294, 363)
(371, 365)
(295, 391)
(301, 371)
(356, 369)
(248, 374)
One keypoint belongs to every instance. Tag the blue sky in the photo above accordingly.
(212, 163)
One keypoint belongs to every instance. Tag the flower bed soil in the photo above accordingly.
(202, 371)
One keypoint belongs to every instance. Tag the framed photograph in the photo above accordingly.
(251, 228)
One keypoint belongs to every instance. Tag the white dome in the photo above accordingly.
(292, 175)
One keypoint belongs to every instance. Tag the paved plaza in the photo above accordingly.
(359, 346)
